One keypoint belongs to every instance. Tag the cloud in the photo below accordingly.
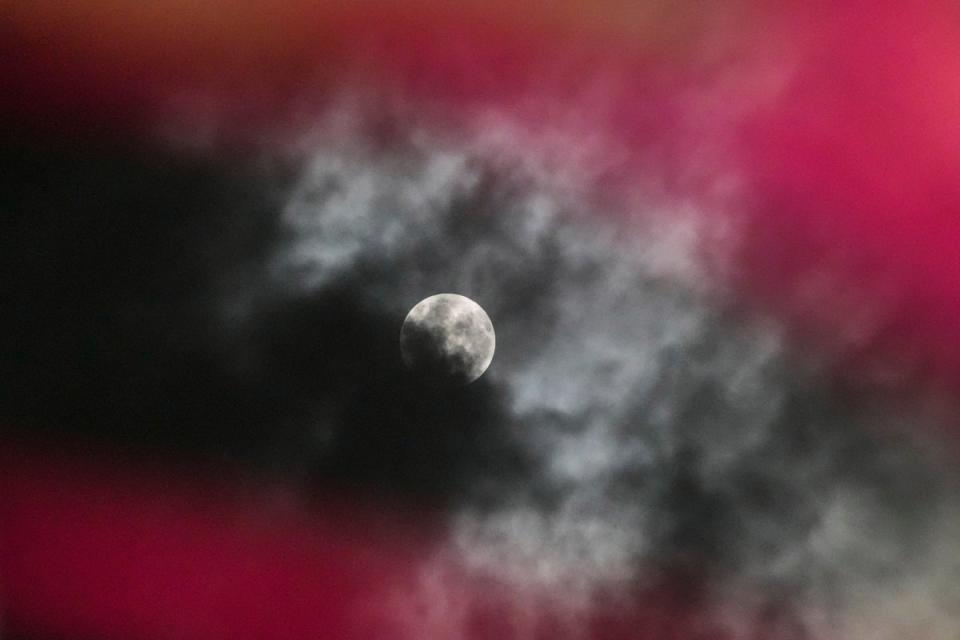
(633, 425)
(662, 431)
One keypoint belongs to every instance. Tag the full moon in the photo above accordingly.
(447, 338)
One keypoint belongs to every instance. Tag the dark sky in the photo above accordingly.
(124, 258)
(243, 309)
(717, 247)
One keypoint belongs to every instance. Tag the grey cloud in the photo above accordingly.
(664, 430)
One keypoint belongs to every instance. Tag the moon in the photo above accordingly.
(447, 338)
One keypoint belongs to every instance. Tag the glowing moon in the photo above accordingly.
(448, 338)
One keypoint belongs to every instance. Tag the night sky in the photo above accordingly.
(718, 248)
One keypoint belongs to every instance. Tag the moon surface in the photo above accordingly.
(447, 338)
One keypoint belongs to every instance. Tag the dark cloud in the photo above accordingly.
(668, 433)
(630, 425)
(122, 263)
